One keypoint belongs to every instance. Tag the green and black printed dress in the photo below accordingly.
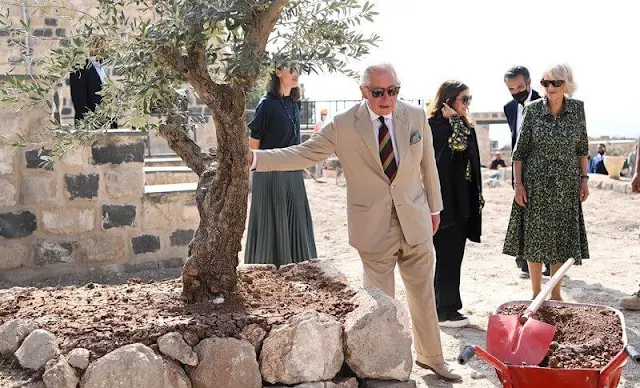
(551, 227)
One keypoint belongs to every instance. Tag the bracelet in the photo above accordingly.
(584, 177)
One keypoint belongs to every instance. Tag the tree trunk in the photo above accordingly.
(210, 269)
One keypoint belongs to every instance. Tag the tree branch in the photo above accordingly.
(257, 37)
(263, 23)
(180, 142)
(175, 59)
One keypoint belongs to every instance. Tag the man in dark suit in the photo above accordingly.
(85, 84)
(518, 81)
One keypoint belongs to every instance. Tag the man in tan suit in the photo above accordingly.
(393, 194)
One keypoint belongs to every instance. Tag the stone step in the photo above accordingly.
(158, 161)
(169, 189)
(168, 174)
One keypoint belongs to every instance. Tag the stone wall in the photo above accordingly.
(90, 211)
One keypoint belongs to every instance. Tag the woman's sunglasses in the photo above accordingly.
(379, 92)
(465, 99)
(555, 82)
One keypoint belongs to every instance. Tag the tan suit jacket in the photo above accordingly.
(415, 191)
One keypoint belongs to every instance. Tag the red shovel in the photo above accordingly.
(519, 340)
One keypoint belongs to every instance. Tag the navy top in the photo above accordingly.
(273, 122)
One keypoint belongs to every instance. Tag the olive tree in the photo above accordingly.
(219, 49)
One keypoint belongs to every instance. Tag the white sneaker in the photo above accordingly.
(456, 322)
(523, 275)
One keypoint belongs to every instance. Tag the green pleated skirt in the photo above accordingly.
(280, 229)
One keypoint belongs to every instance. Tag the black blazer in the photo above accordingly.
(461, 199)
(511, 111)
(85, 83)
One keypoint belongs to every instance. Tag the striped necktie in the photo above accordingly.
(386, 151)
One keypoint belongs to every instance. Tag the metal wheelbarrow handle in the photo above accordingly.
(467, 353)
(631, 350)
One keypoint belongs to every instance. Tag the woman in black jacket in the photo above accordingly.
(458, 160)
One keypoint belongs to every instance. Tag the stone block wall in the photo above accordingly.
(90, 211)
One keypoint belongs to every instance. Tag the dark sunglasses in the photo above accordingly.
(555, 82)
(465, 99)
(379, 92)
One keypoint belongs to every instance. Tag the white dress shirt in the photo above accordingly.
(520, 116)
(100, 70)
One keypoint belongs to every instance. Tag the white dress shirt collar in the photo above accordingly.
(375, 117)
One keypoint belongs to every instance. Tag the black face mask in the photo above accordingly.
(521, 97)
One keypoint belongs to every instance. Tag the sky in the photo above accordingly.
(476, 41)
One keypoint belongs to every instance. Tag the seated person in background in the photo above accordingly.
(497, 162)
(596, 166)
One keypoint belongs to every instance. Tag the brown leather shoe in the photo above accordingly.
(443, 370)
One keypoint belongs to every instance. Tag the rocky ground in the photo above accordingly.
(488, 280)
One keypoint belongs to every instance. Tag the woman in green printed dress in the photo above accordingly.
(550, 165)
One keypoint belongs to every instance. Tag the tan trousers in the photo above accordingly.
(416, 268)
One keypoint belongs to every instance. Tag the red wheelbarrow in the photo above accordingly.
(533, 376)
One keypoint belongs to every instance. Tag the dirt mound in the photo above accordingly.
(102, 318)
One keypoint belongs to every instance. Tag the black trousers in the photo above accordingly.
(449, 244)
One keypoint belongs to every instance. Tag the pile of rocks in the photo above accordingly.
(311, 350)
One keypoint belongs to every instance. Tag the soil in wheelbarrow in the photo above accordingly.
(586, 336)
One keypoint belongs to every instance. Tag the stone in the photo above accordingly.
(174, 346)
(190, 214)
(118, 153)
(377, 339)
(12, 333)
(255, 335)
(153, 265)
(68, 221)
(181, 237)
(387, 384)
(17, 224)
(7, 193)
(101, 248)
(82, 186)
(124, 181)
(145, 244)
(116, 216)
(37, 349)
(59, 374)
(335, 383)
(13, 256)
(79, 358)
(77, 156)
(6, 159)
(175, 376)
(156, 215)
(225, 362)
(35, 157)
(49, 252)
(131, 366)
(38, 188)
(308, 348)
